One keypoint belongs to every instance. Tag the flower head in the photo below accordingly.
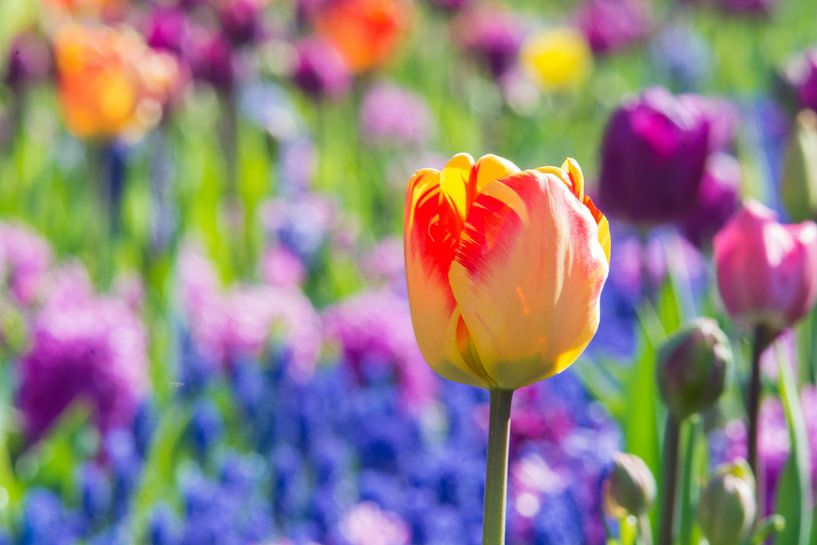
(613, 24)
(110, 82)
(557, 59)
(767, 271)
(653, 158)
(494, 37)
(392, 115)
(24, 260)
(505, 269)
(320, 70)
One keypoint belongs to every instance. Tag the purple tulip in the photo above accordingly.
(392, 115)
(610, 25)
(653, 158)
(89, 348)
(166, 30)
(756, 7)
(241, 21)
(320, 71)
(718, 199)
(212, 61)
(800, 78)
(492, 36)
(29, 60)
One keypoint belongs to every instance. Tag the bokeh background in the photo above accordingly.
(204, 332)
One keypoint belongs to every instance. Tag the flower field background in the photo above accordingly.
(205, 334)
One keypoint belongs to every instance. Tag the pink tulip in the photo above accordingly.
(767, 271)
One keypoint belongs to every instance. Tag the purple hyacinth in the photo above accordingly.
(610, 25)
(240, 322)
(376, 337)
(24, 260)
(319, 70)
(718, 198)
(652, 159)
(91, 349)
(492, 36)
(391, 115)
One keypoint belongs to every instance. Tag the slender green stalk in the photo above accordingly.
(672, 434)
(644, 530)
(759, 343)
(496, 475)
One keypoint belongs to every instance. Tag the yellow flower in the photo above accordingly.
(557, 59)
(504, 268)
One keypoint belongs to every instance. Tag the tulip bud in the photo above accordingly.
(728, 507)
(612, 25)
(718, 199)
(319, 70)
(692, 367)
(798, 186)
(630, 487)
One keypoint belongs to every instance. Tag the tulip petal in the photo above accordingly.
(429, 245)
(491, 167)
(527, 282)
(455, 183)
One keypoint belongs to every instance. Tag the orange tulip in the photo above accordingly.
(505, 269)
(365, 32)
(110, 82)
(105, 9)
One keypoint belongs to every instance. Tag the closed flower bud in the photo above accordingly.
(798, 186)
(767, 271)
(692, 367)
(728, 507)
(630, 487)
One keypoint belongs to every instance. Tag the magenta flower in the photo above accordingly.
(492, 36)
(718, 199)
(800, 77)
(653, 158)
(91, 349)
(767, 271)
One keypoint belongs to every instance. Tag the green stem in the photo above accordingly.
(672, 434)
(496, 475)
(644, 530)
(759, 343)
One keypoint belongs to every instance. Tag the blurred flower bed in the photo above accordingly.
(204, 328)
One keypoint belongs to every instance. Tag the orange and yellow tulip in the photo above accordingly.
(365, 32)
(110, 82)
(505, 269)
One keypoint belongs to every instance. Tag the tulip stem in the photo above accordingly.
(672, 433)
(644, 530)
(759, 343)
(496, 475)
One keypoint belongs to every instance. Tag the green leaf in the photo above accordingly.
(794, 495)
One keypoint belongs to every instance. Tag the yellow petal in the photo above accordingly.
(528, 289)
(492, 167)
(454, 182)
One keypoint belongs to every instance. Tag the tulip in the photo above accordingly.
(366, 32)
(320, 71)
(692, 368)
(241, 20)
(492, 36)
(29, 60)
(767, 271)
(557, 59)
(798, 187)
(767, 277)
(630, 487)
(613, 24)
(110, 82)
(505, 269)
(728, 507)
(504, 272)
(718, 199)
(653, 157)
(799, 77)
